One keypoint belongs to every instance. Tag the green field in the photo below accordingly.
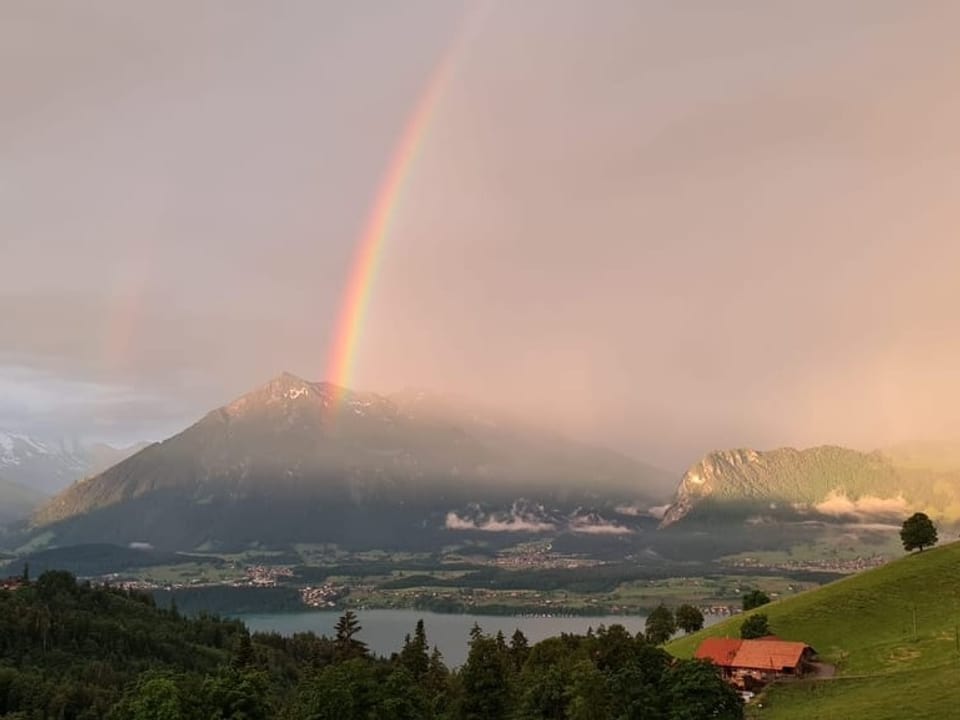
(195, 572)
(892, 632)
(913, 695)
(835, 543)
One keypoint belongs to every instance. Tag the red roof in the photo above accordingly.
(719, 651)
(762, 654)
(769, 654)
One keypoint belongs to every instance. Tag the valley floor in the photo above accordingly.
(467, 585)
(533, 576)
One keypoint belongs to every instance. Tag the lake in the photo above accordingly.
(384, 630)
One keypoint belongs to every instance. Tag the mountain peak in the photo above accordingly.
(288, 391)
(288, 378)
(287, 382)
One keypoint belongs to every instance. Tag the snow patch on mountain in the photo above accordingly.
(15, 447)
(49, 465)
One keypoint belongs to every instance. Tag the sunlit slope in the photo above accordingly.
(892, 632)
(821, 483)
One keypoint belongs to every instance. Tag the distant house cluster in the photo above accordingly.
(12, 583)
(749, 664)
(324, 596)
(267, 575)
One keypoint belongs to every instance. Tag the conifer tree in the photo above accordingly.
(346, 646)
(519, 649)
(414, 655)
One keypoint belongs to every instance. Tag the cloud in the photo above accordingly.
(593, 523)
(597, 526)
(45, 403)
(523, 516)
(837, 504)
(655, 511)
(513, 523)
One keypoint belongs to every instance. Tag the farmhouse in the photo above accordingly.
(750, 663)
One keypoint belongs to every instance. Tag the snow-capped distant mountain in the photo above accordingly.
(48, 466)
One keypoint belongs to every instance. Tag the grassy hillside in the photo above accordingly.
(892, 632)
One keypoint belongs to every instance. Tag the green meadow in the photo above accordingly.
(893, 633)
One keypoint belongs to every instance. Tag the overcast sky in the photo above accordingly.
(671, 226)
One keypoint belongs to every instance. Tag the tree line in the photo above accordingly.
(71, 651)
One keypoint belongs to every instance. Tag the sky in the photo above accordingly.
(670, 227)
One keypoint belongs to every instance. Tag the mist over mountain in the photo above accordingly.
(100, 456)
(304, 461)
(826, 483)
(17, 501)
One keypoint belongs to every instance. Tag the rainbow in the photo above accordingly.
(363, 272)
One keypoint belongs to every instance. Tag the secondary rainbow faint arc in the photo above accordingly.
(363, 272)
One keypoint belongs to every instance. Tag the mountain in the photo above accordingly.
(891, 632)
(298, 461)
(39, 464)
(17, 501)
(821, 483)
(48, 466)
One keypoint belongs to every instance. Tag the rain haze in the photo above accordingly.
(670, 227)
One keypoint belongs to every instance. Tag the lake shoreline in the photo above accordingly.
(480, 612)
(384, 630)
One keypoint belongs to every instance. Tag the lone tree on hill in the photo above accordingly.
(689, 618)
(755, 626)
(754, 599)
(660, 625)
(918, 532)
